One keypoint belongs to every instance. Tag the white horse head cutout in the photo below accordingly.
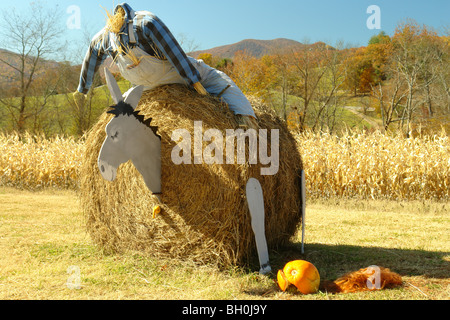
(130, 136)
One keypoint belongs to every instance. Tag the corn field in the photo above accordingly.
(376, 166)
(357, 165)
(34, 162)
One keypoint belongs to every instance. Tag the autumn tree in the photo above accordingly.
(329, 98)
(416, 89)
(320, 76)
(224, 65)
(207, 58)
(249, 74)
(391, 96)
(443, 64)
(413, 58)
(280, 75)
(367, 65)
(309, 65)
(358, 78)
(378, 52)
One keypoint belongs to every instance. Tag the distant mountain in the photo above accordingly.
(256, 48)
(9, 76)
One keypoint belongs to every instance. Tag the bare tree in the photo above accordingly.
(321, 75)
(285, 79)
(329, 97)
(442, 83)
(414, 57)
(310, 66)
(416, 89)
(188, 44)
(30, 37)
(83, 116)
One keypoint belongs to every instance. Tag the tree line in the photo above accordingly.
(403, 79)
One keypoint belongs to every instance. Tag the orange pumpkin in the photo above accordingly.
(283, 283)
(300, 273)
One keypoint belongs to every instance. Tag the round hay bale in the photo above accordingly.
(205, 216)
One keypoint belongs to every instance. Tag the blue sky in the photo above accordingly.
(214, 23)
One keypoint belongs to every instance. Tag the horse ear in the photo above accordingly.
(113, 87)
(133, 96)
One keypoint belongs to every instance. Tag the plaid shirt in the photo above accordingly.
(151, 35)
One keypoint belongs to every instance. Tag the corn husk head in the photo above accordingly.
(115, 21)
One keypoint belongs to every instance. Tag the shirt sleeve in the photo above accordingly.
(92, 61)
(156, 32)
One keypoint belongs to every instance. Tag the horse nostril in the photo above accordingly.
(102, 168)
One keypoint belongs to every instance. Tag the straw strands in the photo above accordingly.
(114, 22)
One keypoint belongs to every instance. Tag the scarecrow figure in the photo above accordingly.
(147, 54)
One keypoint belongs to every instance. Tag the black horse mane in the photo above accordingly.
(123, 108)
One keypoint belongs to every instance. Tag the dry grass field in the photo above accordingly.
(42, 235)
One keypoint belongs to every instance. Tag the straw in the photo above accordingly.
(204, 217)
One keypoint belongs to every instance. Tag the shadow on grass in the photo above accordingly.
(333, 261)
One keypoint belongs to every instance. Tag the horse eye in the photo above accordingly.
(115, 135)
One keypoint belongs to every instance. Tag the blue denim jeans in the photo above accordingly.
(215, 81)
